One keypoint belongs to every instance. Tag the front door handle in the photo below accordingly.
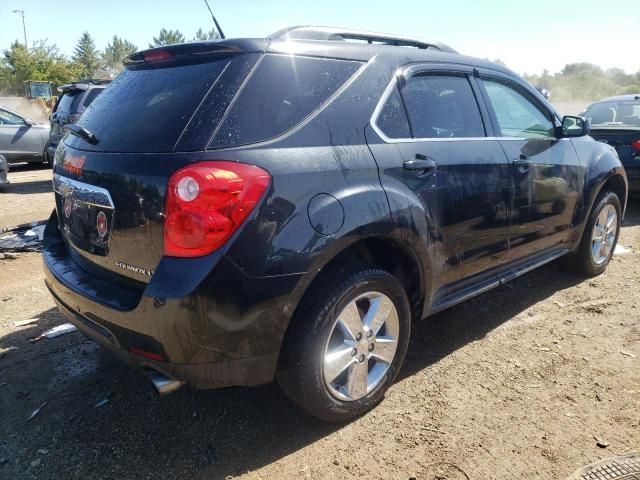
(421, 164)
(523, 161)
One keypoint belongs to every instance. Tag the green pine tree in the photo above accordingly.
(202, 35)
(167, 37)
(114, 53)
(87, 56)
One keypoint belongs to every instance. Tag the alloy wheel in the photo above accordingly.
(361, 346)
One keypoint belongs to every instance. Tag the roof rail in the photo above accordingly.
(309, 32)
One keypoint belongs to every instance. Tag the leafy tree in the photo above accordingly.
(114, 53)
(42, 62)
(86, 55)
(167, 37)
(202, 35)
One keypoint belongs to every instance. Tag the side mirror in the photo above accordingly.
(575, 126)
(29, 123)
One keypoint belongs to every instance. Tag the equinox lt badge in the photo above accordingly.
(133, 268)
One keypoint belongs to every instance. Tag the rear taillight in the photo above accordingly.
(207, 202)
(636, 144)
(157, 55)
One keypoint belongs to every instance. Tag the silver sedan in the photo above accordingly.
(22, 139)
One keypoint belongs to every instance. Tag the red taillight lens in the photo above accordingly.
(636, 144)
(156, 55)
(207, 202)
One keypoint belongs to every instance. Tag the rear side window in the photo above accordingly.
(145, 109)
(280, 94)
(442, 106)
(392, 120)
(517, 115)
(91, 96)
(69, 101)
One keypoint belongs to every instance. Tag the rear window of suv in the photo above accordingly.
(146, 108)
(280, 94)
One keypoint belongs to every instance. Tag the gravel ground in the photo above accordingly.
(514, 384)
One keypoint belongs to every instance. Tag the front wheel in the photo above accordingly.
(599, 238)
(346, 344)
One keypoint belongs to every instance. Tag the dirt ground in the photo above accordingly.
(514, 384)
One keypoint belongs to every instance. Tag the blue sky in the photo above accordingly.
(528, 36)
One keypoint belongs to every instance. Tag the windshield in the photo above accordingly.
(621, 113)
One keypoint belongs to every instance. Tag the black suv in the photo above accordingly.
(232, 212)
(73, 100)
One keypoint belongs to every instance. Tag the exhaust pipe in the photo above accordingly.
(164, 384)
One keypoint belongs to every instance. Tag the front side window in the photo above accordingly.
(517, 116)
(442, 106)
(8, 118)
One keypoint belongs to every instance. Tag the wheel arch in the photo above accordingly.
(388, 253)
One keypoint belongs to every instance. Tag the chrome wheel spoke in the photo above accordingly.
(350, 321)
(357, 380)
(385, 349)
(603, 236)
(377, 314)
(337, 361)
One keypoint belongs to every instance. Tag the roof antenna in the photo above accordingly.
(214, 20)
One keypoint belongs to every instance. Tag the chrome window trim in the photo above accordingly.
(410, 71)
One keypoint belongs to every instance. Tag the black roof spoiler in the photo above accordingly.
(205, 48)
(83, 84)
(309, 32)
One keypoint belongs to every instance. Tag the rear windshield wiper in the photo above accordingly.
(82, 133)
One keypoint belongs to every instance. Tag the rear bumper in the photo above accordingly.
(228, 331)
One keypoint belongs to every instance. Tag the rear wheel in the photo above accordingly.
(599, 238)
(347, 344)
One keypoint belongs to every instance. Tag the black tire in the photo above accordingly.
(582, 261)
(300, 372)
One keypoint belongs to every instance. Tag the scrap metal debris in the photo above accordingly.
(36, 411)
(23, 238)
(55, 332)
(22, 323)
(4, 352)
(621, 250)
(627, 354)
(601, 443)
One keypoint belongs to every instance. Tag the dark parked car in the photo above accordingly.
(232, 212)
(616, 121)
(74, 99)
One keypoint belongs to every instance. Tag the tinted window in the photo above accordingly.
(282, 92)
(7, 118)
(146, 109)
(69, 101)
(517, 116)
(91, 96)
(441, 106)
(393, 118)
(614, 113)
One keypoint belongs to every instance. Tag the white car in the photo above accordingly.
(22, 139)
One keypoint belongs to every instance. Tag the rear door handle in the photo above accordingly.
(421, 164)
